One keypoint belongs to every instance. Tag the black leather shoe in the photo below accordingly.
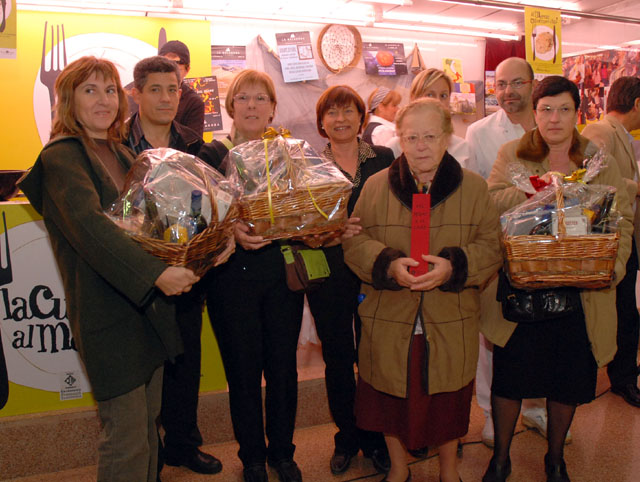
(255, 473)
(419, 453)
(556, 472)
(380, 459)
(629, 392)
(287, 470)
(195, 460)
(340, 462)
(497, 472)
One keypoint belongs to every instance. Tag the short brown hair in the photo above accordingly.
(426, 104)
(555, 85)
(153, 65)
(425, 79)
(339, 96)
(74, 74)
(623, 94)
(247, 77)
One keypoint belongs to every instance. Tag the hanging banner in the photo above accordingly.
(226, 62)
(384, 58)
(543, 40)
(296, 56)
(8, 29)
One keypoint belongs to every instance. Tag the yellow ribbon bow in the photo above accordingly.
(576, 176)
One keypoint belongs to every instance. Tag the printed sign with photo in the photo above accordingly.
(296, 56)
(226, 62)
(384, 58)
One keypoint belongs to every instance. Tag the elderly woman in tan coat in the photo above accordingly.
(419, 345)
(553, 359)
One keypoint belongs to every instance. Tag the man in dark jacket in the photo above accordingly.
(157, 93)
(191, 107)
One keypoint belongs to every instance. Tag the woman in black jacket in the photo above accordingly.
(340, 116)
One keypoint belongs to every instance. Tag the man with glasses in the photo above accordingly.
(613, 133)
(514, 86)
(191, 107)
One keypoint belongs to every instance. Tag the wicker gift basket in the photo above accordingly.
(571, 238)
(287, 189)
(177, 208)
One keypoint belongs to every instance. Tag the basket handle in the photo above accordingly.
(313, 200)
(562, 228)
(209, 191)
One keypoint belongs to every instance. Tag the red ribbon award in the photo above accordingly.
(420, 220)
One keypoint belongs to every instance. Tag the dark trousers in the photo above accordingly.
(181, 382)
(623, 369)
(333, 305)
(257, 324)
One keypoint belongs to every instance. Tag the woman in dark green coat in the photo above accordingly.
(118, 296)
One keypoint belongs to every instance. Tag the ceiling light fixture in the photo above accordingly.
(453, 21)
(448, 31)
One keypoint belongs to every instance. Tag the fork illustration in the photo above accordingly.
(6, 277)
(48, 76)
(4, 15)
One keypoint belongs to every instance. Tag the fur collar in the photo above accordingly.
(532, 147)
(446, 180)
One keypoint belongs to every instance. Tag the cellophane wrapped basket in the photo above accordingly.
(177, 207)
(565, 235)
(287, 189)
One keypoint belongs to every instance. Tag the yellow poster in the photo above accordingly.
(543, 40)
(453, 68)
(43, 368)
(8, 29)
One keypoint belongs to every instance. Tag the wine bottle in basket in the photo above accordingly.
(198, 220)
(153, 225)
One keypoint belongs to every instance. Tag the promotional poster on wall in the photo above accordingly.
(296, 56)
(384, 58)
(226, 62)
(207, 89)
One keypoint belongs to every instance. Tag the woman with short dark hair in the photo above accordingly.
(558, 358)
(340, 115)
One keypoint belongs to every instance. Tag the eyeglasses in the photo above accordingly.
(259, 99)
(516, 84)
(430, 139)
(547, 111)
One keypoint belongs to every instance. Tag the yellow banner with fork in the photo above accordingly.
(47, 41)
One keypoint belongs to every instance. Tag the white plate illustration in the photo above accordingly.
(543, 42)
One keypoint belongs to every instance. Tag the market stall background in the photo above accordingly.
(27, 83)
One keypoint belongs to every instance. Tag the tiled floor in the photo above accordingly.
(605, 448)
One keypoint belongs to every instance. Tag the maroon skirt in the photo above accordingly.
(418, 421)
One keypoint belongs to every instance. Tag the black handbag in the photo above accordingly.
(524, 306)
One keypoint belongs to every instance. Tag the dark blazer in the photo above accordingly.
(122, 326)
